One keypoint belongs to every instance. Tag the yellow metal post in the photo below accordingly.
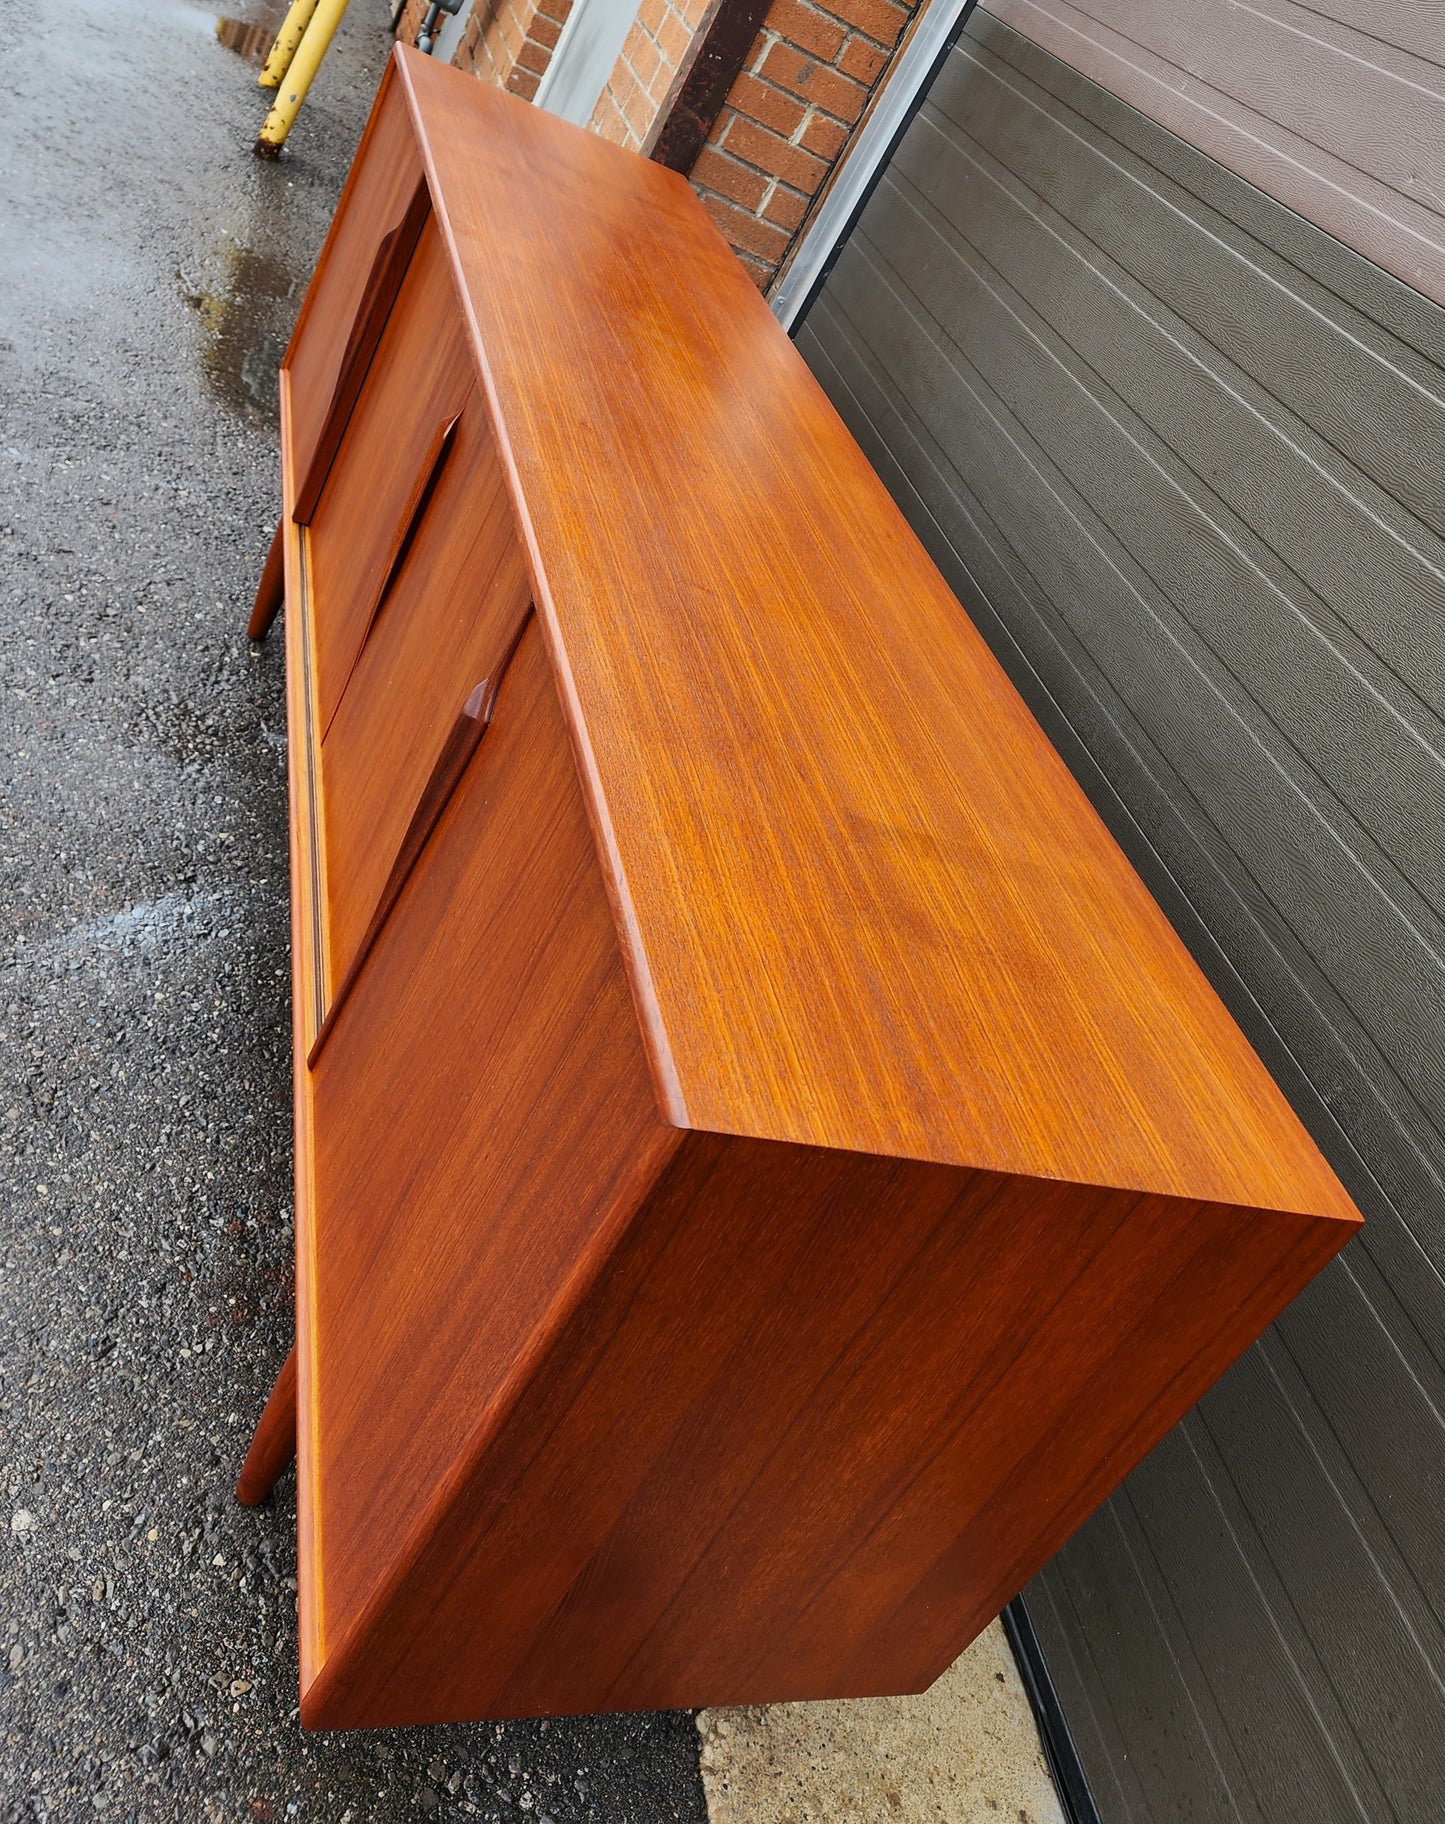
(278, 59)
(303, 67)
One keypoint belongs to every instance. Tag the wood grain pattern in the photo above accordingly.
(900, 907)
(429, 473)
(448, 771)
(452, 614)
(774, 1169)
(270, 590)
(379, 480)
(383, 180)
(273, 1446)
(764, 1458)
(488, 1156)
(388, 268)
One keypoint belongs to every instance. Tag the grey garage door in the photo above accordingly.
(1182, 456)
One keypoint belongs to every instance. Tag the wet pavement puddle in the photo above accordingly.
(249, 41)
(246, 321)
(251, 29)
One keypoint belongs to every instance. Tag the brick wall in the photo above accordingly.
(788, 115)
(510, 42)
(656, 56)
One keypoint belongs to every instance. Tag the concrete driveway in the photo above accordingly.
(149, 272)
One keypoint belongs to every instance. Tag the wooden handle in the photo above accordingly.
(451, 763)
(383, 282)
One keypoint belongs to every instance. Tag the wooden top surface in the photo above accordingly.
(862, 901)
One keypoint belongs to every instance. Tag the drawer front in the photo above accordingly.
(481, 1098)
(397, 443)
(444, 626)
(372, 215)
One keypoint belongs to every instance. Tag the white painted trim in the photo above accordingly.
(590, 44)
(930, 32)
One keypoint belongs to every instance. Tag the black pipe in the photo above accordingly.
(426, 37)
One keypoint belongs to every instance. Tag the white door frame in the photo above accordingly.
(590, 44)
(932, 35)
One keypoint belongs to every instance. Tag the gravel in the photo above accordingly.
(151, 268)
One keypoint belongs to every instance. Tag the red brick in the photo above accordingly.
(673, 38)
(768, 106)
(661, 96)
(714, 170)
(642, 55)
(881, 20)
(607, 120)
(524, 83)
(759, 271)
(773, 155)
(534, 57)
(509, 30)
(823, 137)
(555, 10)
(545, 32)
(836, 95)
(640, 110)
(861, 60)
(786, 208)
(745, 233)
(623, 86)
(806, 27)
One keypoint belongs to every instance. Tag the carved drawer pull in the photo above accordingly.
(383, 282)
(451, 763)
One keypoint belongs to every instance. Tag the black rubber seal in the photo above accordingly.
(1059, 1749)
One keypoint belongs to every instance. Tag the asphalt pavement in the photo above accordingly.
(149, 271)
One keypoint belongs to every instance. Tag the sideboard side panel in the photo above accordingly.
(820, 1417)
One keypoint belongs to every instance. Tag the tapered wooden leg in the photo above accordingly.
(274, 1445)
(271, 593)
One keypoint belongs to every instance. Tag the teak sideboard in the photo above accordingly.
(766, 1169)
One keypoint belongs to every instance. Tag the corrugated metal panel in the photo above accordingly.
(1336, 110)
(1183, 456)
